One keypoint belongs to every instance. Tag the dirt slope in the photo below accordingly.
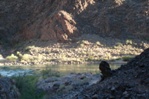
(64, 19)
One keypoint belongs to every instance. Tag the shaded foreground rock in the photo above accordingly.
(8, 89)
(105, 69)
(67, 86)
(128, 82)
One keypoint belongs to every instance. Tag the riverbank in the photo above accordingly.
(130, 80)
(86, 49)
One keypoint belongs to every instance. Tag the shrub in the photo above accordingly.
(98, 43)
(48, 73)
(117, 45)
(127, 58)
(36, 58)
(19, 55)
(129, 42)
(108, 56)
(83, 43)
(26, 57)
(91, 58)
(28, 48)
(12, 57)
(27, 88)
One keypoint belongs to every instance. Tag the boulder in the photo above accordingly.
(105, 69)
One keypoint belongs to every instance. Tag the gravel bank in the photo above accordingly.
(86, 49)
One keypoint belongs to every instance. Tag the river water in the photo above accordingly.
(62, 69)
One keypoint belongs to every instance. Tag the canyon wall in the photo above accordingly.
(61, 20)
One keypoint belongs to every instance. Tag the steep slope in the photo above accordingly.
(128, 82)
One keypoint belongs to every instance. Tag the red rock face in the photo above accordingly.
(60, 24)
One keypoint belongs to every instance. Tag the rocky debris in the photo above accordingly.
(128, 82)
(89, 48)
(65, 19)
(68, 85)
(8, 89)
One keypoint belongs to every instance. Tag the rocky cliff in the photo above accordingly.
(62, 20)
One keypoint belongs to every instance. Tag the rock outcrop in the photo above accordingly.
(65, 19)
(105, 69)
(8, 89)
(128, 82)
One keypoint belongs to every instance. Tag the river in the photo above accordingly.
(62, 69)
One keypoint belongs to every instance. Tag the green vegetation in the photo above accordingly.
(98, 43)
(48, 73)
(26, 57)
(127, 58)
(129, 42)
(83, 43)
(124, 58)
(117, 45)
(28, 48)
(108, 56)
(38, 58)
(91, 58)
(12, 57)
(19, 54)
(27, 88)
(27, 84)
